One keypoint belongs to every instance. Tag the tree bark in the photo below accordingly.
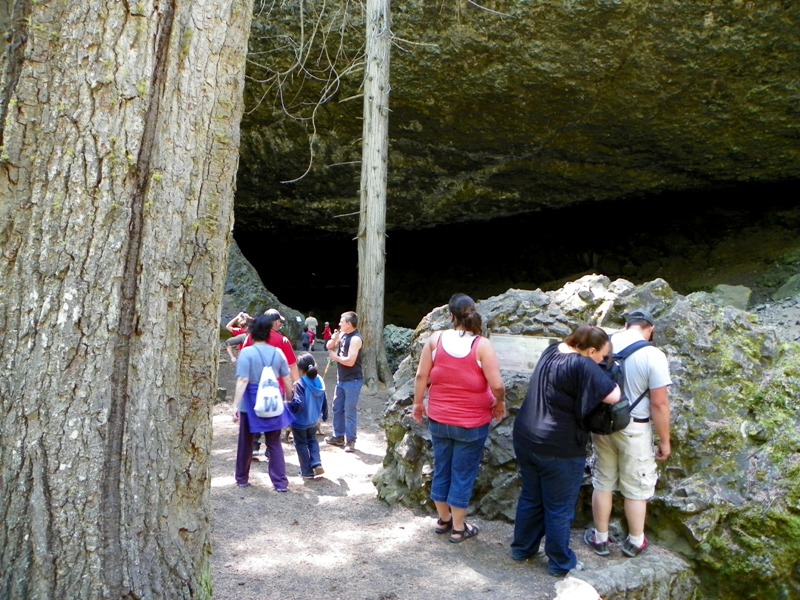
(374, 171)
(119, 154)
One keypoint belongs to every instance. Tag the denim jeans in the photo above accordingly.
(457, 453)
(345, 409)
(546, 507)
(307, 446)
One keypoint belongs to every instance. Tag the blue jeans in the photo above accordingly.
(457, 453)
(307, 446)
(345, 409)
(546, 507)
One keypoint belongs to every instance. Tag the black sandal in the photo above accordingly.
(466, 533)
(443, 526)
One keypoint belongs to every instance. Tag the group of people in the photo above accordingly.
(460, 375)
(459, 371)
(305, 401)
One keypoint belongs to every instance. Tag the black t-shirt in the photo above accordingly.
(349, 373)
(564, 388)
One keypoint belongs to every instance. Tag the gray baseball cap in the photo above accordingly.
(639, 315)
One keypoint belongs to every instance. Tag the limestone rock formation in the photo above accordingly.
(729, 497)
(502, 108)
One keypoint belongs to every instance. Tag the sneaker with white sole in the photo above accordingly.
(333, 440)
(350, 446)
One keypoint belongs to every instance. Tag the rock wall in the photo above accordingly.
(728, 498)
(515, 107)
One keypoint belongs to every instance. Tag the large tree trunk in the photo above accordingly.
(119, 155)
(374, 170)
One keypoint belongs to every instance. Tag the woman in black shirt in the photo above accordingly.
(550, 443)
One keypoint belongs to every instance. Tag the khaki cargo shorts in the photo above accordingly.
(626, 461)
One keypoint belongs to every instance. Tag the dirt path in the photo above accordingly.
(332, 538)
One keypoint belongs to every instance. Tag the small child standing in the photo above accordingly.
(309, 404)
(312, 337)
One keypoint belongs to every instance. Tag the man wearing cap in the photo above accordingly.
(626, 460)
(277, 339)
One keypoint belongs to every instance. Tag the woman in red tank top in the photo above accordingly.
(460, 370)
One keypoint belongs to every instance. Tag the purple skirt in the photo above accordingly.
(261, 424)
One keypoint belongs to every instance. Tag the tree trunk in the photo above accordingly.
(119, 155)
(374, 169)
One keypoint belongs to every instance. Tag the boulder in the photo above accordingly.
(737, 296)
(729, 497)
(788, 289)
(397, 341)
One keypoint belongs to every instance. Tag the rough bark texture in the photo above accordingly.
(118, 161)
(374, 169)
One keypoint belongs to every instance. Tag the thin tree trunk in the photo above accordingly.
(374, 170)
(119, 156)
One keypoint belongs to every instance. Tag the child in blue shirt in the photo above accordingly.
(308, 405)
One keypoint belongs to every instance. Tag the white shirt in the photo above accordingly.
(457, 344)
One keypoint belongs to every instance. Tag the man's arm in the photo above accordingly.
(229, 326)
(349, 359)
(331, 343)
(660, 413)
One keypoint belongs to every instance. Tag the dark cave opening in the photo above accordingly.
(693, 240)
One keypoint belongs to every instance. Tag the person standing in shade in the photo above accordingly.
(312, 323)
(344, 348)
(550, 443)
(466, 393)
(237, 327)
(626, 460)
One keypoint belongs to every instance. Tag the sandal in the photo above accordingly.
(443, 526)
(466, 533)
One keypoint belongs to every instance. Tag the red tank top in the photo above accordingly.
(459, 393)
